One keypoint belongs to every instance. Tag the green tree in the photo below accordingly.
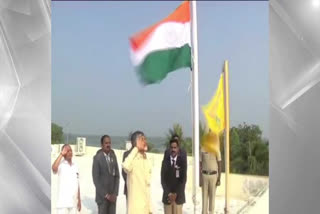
(56, 134)
(221, 139)
(235, 151)
(175, 130)
(249, 153)
(185, 143)
(261, 154)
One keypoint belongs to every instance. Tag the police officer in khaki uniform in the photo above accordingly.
(210, 169)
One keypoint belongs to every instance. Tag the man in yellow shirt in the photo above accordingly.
(138, 169)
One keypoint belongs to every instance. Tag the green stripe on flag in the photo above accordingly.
(158, 64)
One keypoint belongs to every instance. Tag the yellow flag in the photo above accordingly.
(214, 110)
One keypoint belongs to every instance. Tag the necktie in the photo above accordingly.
(108, 162)
(173, 162)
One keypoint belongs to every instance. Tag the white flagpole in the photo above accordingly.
(195, 90)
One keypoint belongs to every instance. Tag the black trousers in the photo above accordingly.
(107, 207)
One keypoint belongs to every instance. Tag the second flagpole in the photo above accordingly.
(226, 138)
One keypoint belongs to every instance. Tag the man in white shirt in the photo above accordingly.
(68, 200)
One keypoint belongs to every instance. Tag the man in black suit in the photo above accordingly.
(182, 152)
(173, 179)
(124, 174)
(105, 174)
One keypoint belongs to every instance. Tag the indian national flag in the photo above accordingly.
(163, 47)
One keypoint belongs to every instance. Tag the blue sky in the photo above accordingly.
(95, 89)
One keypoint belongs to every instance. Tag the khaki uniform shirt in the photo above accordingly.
(210, 160)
